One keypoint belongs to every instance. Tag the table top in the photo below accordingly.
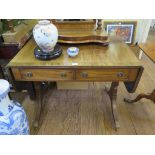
(90, 55)
(149, 49)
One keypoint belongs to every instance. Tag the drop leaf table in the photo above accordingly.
(114, 63)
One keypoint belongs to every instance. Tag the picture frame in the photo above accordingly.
(123, 29)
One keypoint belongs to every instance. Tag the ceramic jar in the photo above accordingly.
(45, 35)
(13, 119)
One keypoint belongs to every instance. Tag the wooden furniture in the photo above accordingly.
(73, 31)
(115, 63)
(85, 31)
(15, 39)
(19, 35)
(149, 49)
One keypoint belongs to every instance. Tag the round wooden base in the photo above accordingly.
(39, 54)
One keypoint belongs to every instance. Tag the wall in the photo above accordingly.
(143, 27)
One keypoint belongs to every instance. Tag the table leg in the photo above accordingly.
(39, 108)
(113, 95)
(150, 96)
(31, 90)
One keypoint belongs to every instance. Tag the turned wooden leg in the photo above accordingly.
(113, 95)
(150, 96)
(39, 97)
(99, 24)
(31, 90)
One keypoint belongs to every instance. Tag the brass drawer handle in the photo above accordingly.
(28, 74)
(84, 74)
(120, 74)
(63, 75)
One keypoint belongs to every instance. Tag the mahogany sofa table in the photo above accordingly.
(114, 63)
(149, 49)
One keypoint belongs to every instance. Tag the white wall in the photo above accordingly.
(143, 27)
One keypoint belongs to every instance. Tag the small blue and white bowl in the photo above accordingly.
(72, 51)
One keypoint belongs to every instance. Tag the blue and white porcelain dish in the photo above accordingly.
(72, 51)
(13, 119)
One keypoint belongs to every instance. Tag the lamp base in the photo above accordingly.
(39, 54)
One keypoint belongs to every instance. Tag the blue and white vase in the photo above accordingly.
(13, 119)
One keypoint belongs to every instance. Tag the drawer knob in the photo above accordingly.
(120, 74)
(29, 74)
(84, 74)
(63, 74)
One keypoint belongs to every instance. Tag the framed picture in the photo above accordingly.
(125, 30)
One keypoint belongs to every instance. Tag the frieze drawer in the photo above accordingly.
(43, 74)
(106, 74)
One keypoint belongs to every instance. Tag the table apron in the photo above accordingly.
(101, 74)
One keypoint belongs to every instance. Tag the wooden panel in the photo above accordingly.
(46, 74)
(16, 73)
(106, 74)
(91, 55)
(149, 49)
(133, 74)
(132, 85)
(82, 36)
(88, 24)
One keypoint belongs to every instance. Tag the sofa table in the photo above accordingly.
(149, 49)
(114, 63)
